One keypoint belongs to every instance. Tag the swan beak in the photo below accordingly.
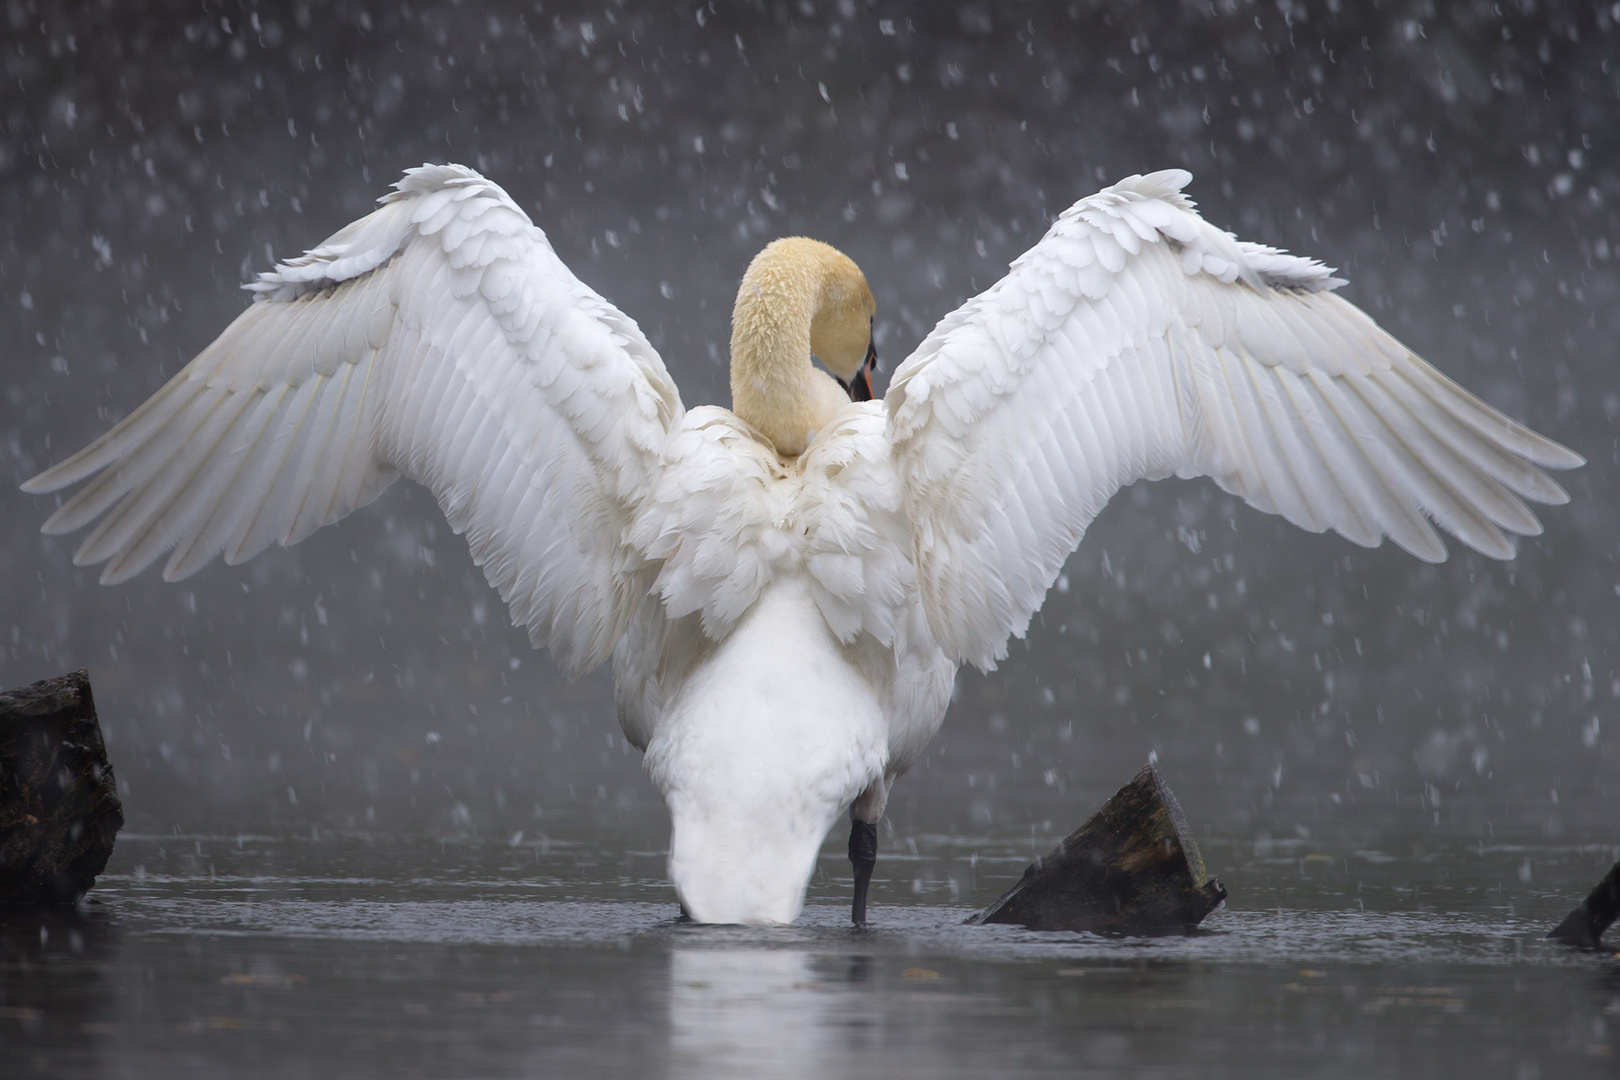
(860, 387)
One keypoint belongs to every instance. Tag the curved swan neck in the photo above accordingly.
(774, 386)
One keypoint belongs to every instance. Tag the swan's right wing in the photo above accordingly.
(439, 337)
(1136, 341)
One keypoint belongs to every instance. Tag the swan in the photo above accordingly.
(786, 588)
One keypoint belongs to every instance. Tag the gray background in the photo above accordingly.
(1459, 167)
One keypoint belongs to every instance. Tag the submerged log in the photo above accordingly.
(59, 808)
(1132, 868)
(1585, 925)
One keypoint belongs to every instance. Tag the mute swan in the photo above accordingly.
(787, 589)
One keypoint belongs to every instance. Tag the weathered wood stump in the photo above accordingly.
(1585, 925)
(1132, 868)
(59, 808)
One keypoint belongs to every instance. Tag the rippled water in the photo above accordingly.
(352, 956)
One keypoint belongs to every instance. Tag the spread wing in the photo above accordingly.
(1136, 341)
(441, 338)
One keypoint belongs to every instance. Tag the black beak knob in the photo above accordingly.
(860, 387)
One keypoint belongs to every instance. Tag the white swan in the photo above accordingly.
(786, 590)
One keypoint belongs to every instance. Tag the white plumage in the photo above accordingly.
(442, 339)
(1136, 341)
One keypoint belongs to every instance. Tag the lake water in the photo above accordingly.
(354, 956)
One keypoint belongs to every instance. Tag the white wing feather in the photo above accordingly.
(439, 337)
(1136, 341)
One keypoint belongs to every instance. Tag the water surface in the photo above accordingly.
(368, 956)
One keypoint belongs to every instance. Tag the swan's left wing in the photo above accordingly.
(439, 337)
(1136, 341)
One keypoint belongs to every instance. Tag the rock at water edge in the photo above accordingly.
(59, 808)
(1132, 868)
(1585, 925)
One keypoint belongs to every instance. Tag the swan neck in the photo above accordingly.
(773, 382)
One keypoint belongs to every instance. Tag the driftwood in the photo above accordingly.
(59, 808)
(1132, 868)
(1585, 925)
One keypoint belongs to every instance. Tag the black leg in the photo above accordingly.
(863, 856)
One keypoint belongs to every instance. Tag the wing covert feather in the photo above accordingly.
(1136, 341)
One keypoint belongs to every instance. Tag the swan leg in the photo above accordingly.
(863, 856)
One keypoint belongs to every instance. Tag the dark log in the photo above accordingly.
(1585, 925)
(1131, 869)
(59, 808)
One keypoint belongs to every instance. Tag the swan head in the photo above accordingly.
(800, 298)
(841, 328)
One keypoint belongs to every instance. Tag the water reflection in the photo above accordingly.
(759, 1012)
(56, 987)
